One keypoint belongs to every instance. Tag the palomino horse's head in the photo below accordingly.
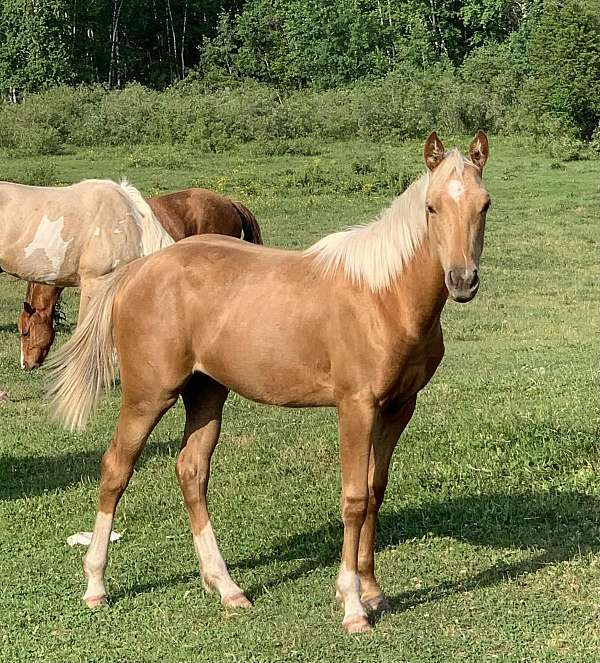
(457, 203)
(37, 335)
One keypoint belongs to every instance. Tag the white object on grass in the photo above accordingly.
(84, 538)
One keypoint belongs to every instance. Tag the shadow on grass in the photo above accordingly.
(34, 475)
(561, 524)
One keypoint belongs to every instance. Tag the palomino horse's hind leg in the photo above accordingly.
(204, 399)
(136, 421)
(389, 428)
(357, 419)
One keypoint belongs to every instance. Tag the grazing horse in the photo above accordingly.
(72, 235)
(182, 214)
(353, 322)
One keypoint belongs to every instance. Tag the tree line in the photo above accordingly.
(549, 47)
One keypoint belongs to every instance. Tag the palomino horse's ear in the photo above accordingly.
(434, 151)
(28, 308)
(479, 150)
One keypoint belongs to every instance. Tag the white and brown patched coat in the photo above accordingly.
(71, 236)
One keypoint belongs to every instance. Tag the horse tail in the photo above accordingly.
(249, 223)
(85, 365)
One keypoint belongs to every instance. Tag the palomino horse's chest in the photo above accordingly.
(405, 374)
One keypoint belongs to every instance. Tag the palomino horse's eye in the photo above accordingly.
(430, 209)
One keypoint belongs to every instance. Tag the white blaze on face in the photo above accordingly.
(48, 238)
(22, 357)
(455, 189)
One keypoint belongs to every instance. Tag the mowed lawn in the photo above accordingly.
(489, 536)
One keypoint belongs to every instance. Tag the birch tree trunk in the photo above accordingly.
(114, 41)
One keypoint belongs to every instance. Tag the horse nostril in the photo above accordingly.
(453, 277)
(474, 278)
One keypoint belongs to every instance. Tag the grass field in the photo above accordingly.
(489, 537)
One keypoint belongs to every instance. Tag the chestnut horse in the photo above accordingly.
(72, 235)
(182, 214)
(353, 323)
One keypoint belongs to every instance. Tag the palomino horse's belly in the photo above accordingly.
(291, 386)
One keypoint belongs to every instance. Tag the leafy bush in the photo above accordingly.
(39, 174)
(493, 90)
(564, 51)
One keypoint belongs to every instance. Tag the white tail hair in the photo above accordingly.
(85, 365)
(154, 236)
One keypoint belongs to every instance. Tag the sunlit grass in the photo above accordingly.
(490, 531)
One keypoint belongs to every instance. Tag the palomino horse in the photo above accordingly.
(71, 236)
(353, 322)
(182, 214)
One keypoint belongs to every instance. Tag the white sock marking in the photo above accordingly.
(95, 559)
(348, 586)
(214, 570)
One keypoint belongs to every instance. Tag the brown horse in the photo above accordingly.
(353, 322)
(182, 214)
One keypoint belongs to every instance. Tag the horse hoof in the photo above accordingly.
(236, 601)
(359, 624)
(96, 602)
(376, 604)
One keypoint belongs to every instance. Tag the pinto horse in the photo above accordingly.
(353, 322)
(182, 214)
(71, 236)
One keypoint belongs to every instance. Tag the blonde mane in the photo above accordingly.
(374, 254)
(154, 236)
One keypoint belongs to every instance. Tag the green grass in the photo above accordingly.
(489, 537)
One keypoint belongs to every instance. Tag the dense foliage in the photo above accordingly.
(248, 69)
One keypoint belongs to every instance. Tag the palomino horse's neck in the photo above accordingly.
(374, 254)
(419, 291)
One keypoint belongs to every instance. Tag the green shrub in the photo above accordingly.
(564, 51)
(305, 147)
(43, 173)
(493, 90)
(595, 141)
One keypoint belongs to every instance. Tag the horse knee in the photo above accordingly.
(354, 509)
(190, 473)
(114, 475)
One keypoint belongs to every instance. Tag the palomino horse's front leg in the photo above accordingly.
(389, 427)
(136, 422)
(204, 399)
(356, 422)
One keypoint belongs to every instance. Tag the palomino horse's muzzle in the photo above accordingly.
(462, 284)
